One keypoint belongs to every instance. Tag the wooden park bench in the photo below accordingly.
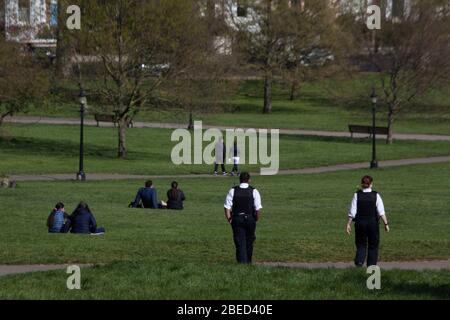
(367, 129)
(108, 118)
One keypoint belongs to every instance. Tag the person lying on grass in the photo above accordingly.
(82, 221)
(57, 221)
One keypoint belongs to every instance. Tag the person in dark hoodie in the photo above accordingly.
(83, 221)
(175, 197)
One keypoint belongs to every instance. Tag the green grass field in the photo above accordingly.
(313, 109)
(54, 149)
(159, 254)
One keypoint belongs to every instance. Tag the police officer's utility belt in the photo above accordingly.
(242, 214)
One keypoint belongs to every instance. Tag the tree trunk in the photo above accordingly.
(268, 92)
(294, 89)
(122, 138)
(61, 68)
(390, 137)
(4, 115)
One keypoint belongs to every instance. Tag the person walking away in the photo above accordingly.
(235, 155)
(366, 209)
(220, 154)
(242, 210)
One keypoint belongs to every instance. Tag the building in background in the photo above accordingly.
(29, 21)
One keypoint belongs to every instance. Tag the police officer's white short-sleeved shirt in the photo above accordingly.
(354, 205)
(256, 198)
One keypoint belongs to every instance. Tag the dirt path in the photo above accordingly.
(400, 265)
(15, 269)
(333, 168)
(319, 133)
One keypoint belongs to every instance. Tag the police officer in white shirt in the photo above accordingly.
(242, 210)
(366, 209)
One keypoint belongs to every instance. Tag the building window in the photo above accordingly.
(24, 11)
(53, 13)
(398, 8)
(241, 10)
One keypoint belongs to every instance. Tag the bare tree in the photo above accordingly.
(62, 51)
(142, 45)
(23, 81)
(410, 52)
(275, 33)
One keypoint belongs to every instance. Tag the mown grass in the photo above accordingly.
(188, 281)
(38, 149)
(329, 104)
(162, 254)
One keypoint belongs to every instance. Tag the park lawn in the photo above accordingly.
(313, 109)
(39, 149)
(182, 255)
(207, 281)
(304, 218)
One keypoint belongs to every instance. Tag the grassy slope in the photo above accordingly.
(181, 255)
(54, 149)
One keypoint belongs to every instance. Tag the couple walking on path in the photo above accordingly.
(221, 155)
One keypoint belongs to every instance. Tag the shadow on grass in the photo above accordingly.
(422, 289)
(48, 147)
(306, 138)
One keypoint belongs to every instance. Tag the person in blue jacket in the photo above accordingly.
(83, 221)
(58, 219)
(146, 197)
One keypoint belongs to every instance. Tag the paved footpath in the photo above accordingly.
(334, 168)
(319, 133)
(401, 265)
(15, 269)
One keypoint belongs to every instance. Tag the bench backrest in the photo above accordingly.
(105, 117)
(367, 129)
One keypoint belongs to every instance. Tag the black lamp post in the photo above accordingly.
(81, 176)
(374, 162)
(191, 122)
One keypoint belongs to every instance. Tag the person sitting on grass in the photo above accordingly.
(147, 195)
(175, 197)
(83, 221)
(146, 198)
(58, 219)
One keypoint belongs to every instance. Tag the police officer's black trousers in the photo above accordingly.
(216, 166)
(367, 239)
(244, 227)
